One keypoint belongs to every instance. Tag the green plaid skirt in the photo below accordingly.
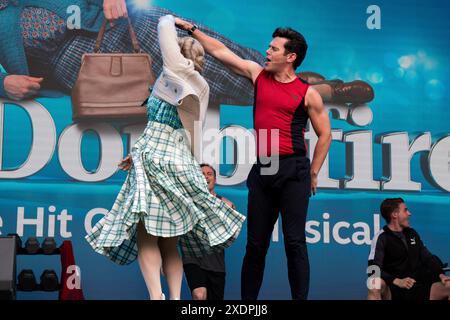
(165, 189)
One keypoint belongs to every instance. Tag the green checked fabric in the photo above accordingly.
(163, 112)
(165, 189)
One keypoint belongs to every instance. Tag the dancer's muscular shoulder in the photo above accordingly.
(313, 100)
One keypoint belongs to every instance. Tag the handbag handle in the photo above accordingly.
(134, 40)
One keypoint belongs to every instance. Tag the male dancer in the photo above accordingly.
(283, 104)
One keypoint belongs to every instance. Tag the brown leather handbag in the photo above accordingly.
(112, 85)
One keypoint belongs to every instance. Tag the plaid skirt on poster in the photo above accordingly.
(166, 190)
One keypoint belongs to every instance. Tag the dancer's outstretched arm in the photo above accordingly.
(218, 50)
(168, 42)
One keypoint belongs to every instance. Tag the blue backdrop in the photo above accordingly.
(397, 145)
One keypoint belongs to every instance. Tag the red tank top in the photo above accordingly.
(279, 116)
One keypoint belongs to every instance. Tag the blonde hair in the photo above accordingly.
(192, 49)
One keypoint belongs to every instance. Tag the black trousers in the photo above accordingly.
(419, 292)
(214, 282)
(287, 191)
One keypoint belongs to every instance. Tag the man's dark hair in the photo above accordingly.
(209, 166)
(296, 43)
(388, 206)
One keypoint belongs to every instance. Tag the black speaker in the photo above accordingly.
(8, 268)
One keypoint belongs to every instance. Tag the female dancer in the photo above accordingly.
(165, 196)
